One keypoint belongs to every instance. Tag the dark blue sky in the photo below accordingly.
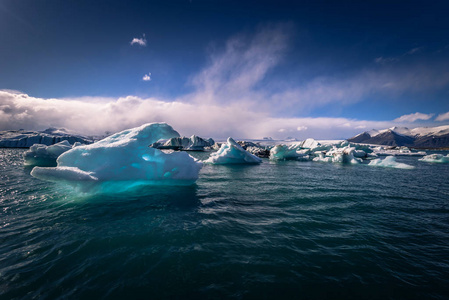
(388, 59)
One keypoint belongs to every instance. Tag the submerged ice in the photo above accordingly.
(125, 156)
(232, 153)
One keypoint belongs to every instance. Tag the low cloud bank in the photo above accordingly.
(98, 115)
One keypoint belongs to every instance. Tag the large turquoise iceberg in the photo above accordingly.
(126, 158)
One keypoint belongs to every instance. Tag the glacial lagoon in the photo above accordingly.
(279, 229)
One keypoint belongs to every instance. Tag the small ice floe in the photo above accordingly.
(389, 162)
(435, 158)
(397, 151)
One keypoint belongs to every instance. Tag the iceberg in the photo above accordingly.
(435, 158)
(284, 152)
(194, 143)
(314, 145)
(389, 162)
(310, 144)
(346, 155)
(253, 148)
(125, 157)
(232, 153)
(43, 155)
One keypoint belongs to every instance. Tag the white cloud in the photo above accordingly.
(301, 128)
(141, 42)
(147, 77)
(414, 117)
(95, 116)
(443, 117)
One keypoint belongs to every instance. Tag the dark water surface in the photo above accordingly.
(292, 230)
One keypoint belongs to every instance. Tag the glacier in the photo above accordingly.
(435, 158)
(25, 139)
(125, 157)
(389, 162)
(232, 153)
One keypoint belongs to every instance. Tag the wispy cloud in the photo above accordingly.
(146, 77)
(414, 50)
(442, 117)
(385, 60)
(139, 41)
(233, 73)
(241, 72)
(414, 117)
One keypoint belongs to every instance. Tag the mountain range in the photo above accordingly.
(421, 137)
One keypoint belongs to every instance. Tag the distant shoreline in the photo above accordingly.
(411, 148)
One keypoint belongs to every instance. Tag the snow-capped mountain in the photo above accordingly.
(421, 137)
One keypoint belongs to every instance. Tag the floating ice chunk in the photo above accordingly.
(125, 156)
(232, 153)
(282, 152)
(322, 158)
(435, 158)
(310, 144)
(389, 162)
(43, 155)
(359, 153)
(402, 151)
(194, 143)
(344, 155)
